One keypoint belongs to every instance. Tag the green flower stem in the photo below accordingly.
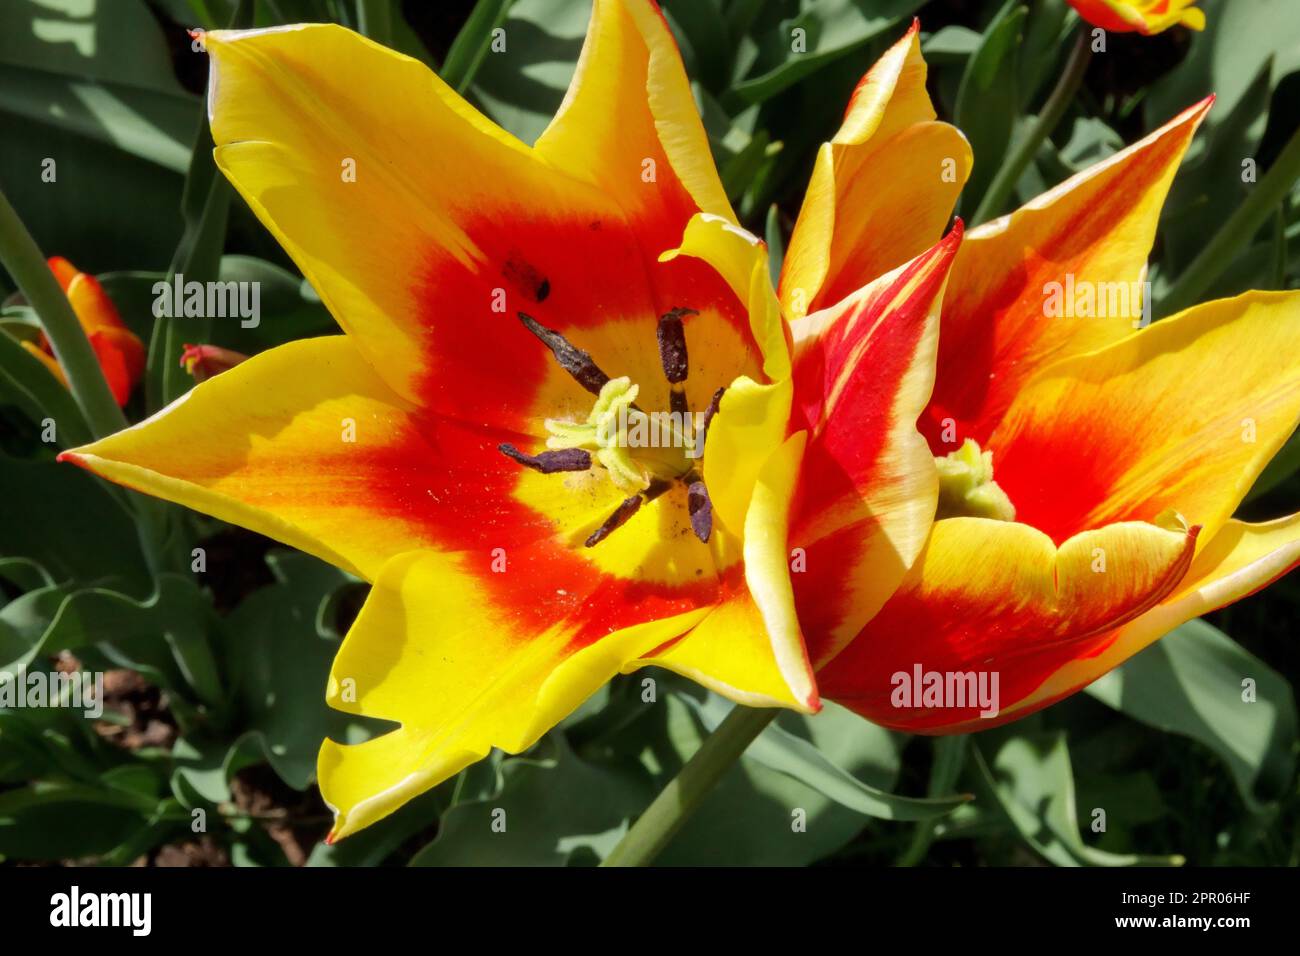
(1240, 228)
(948, 756)
(684, 793)
(23, 259)
(995, 197)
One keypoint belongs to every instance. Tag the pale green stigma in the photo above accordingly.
(967, 488)
(603, 434)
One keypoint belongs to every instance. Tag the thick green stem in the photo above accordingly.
(684, 793)
(1240, 228)
(995, 197)
(23, 259)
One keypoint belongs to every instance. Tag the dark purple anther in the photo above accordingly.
(700, 509)
(549, 462)
(672, 344)
(572, 359)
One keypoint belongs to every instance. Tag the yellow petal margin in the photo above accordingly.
(463, 674)
(1240, 560)
(882, 189)
(1087, 238)
(630, 102)
(1000, 598)
(297, 443)
(740, 258)
(773, 670)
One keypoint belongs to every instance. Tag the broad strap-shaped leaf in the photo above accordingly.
(1031, 779)
(1193, 683)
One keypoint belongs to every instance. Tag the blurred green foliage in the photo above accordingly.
(215, 709)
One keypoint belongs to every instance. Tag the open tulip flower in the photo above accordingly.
(119, 351)
(515, 318)
(1090, 463)
(1143, 16)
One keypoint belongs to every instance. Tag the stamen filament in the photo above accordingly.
(709, 413)
(620, 517)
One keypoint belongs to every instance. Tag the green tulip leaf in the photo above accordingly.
(1030, 778)
(1191, 683)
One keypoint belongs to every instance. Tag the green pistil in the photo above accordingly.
(967, 488)
(605, 435)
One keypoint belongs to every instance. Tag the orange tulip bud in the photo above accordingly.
(205, 361)
(120, 352)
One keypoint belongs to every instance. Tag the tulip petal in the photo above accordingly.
(999, 597)
(266, 446)
(882, 190)
(749, 426)
(1240, 560)
(436, 650)
(751, 420)
(1153, 422)
(740, 258)
(121, 358)
(630, 70)
(750, 648)
(426, 230)
(64, 271)
(863, 374)
(336, 464)
(1114, 15)
(121, 355)
(1093, 232)
(91, 303)
(1143, 16)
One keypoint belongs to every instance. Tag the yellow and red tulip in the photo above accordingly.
(501, 304)
(1142, 16)
(120, 353)
(1090, 468)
